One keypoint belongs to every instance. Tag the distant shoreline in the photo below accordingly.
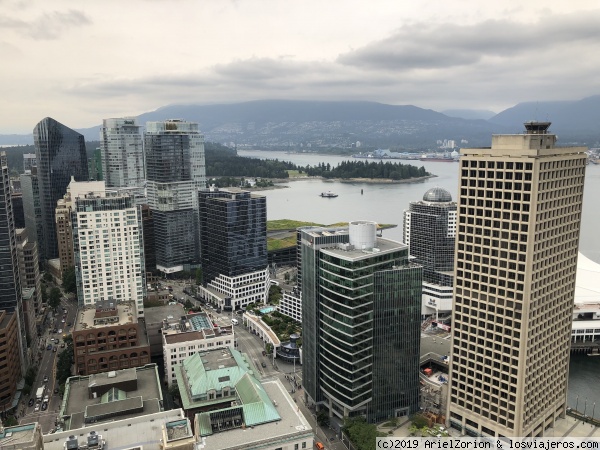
(280, 182)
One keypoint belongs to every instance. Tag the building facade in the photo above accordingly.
(32, 210)
(175, 171)
(429, 232)
(109, 250)
(516, 258)
(60, 154)
(11, 299)
(11, 370)
(122, 151)
(108, 336)
(361, 302)
(30, 279)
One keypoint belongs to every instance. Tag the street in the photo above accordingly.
(47, 367)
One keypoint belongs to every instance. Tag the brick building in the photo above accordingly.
(109, 336)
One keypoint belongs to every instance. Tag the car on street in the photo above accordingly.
(31, 402)
(56, 390)
(239, 312)
(45, 378)
(49, 347)
(55, 331)
(44, 406)
(263, 364)
(59, 330)
(37, 408)
(63, 321)
(62, 345)
(264, 353)
(69, 324)
(54, 349)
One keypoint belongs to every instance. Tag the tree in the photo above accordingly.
(69, 280)
(174, 392)
(199, 276)
(47, 277)
(188, 304)
(286, 277)
(322, 418)
(54, 300)
(44, 295)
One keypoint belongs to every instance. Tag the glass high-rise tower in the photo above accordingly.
(361, 304)
(60, 153)
(122, 153)
(519, 214)
(175, 171)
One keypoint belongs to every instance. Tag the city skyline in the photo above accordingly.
(439, 55)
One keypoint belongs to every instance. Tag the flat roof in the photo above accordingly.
(382, 246)
(77, 393)
(157, 314)
(21, 434)
(87, 318)
(293, 424)
(136, 431)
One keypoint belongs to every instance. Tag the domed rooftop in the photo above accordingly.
(438, 195)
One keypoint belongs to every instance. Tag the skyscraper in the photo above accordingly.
(516, 257)
(233, 230)
(108, 247)
(361, 304)
(429, 232)
(10, 287)
(175, 171)
(32, 210)
(60, 154)
(122, 153)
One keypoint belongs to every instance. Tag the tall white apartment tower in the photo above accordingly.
(519, 214)
(122, 151)
(108, 247)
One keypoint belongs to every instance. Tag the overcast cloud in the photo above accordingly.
(80, 62)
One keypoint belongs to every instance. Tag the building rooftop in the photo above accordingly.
(157, 314)
(104, 396)
(106, 313)
(349, 252)
(291, 424)
(133, 432)
(17, 437)
(192, 327)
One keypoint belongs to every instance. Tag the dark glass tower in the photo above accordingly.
(60, 154)
(361, 303)
(32, 209)
(233, 230)
(175, 172)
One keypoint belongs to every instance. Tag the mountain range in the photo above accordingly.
(286, 123)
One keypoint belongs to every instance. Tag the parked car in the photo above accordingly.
(59, 330)
(55, 331)
(264, 353)
(49, 347)
(45, 378)
(44, 406)
(37, 408)
(263, 364)
(62, 345)
(54, 349)
(239, 312)
(31, 402)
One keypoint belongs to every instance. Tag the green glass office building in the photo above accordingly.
(361, 304)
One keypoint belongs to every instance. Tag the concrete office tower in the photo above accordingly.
(429, 232)
(108, 246)
(29, 162)
(10, 286)
(32, 210)
(31, 286)
(175, 171)
(60, 154)
(361, 329)
(516, 258)
(122, 153)
(233, 237)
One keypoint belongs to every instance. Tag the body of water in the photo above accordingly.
(385, 203)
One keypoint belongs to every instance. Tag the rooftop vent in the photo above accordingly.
(92, 438)
(112, 374)
(71, 443)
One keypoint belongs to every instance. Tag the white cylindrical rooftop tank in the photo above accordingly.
(363, 234)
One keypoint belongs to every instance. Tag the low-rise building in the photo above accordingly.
(155, 318)
(164, 430)
(231, 409)
(191, 334)
(109, 336)
(22, 437)
(291, 304)
(110, 396)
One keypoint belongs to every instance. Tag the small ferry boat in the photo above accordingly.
(328, 194)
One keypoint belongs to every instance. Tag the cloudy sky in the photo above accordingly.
(80, 62)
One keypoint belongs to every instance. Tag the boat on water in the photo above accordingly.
(328, 194)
